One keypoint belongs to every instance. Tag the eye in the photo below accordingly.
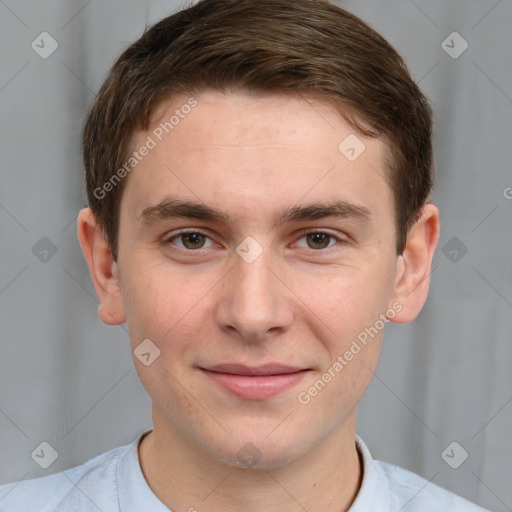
(194, 240)
(319, 240)
(190, 240)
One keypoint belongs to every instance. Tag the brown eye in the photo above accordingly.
(189, 240)
(318, 240)
(192, 240)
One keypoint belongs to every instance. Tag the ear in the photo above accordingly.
(414, 264)
(102, 267)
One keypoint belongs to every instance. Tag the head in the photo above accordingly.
(290, 143)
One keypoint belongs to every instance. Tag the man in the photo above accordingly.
(258, 175)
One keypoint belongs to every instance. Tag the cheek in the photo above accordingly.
(345, 315)
(166, 308)
(165, 312)
(345, 302)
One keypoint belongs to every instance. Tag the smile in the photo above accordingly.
(254, 383)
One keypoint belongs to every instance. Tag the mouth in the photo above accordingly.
(254, 382)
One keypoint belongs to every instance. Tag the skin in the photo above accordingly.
(297, 303)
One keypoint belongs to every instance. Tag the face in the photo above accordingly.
(256, 256)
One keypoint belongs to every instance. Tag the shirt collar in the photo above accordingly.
(374, 492)
(133, 491)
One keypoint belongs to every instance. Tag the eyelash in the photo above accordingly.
(178, 234)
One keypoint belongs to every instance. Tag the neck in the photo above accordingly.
(183, 477)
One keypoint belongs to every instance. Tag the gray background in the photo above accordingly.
(68, 379)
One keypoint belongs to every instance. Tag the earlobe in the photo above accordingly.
(414, 265)
(102, 267)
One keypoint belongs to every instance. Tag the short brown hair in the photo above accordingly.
(264, 47)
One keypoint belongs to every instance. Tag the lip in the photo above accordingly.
(255, 382)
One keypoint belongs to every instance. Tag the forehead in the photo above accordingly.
(246, 154)
(243, 118)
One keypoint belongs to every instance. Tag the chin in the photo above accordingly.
(258, 455)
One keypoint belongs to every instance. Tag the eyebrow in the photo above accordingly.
(172, 208)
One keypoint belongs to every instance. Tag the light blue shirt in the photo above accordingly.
(114, 482)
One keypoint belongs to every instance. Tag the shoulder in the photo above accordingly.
(72, 486)
(416, 494)
(386, 487)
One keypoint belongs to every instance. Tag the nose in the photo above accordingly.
(255, 303)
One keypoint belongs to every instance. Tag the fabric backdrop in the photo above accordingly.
(69, 380)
